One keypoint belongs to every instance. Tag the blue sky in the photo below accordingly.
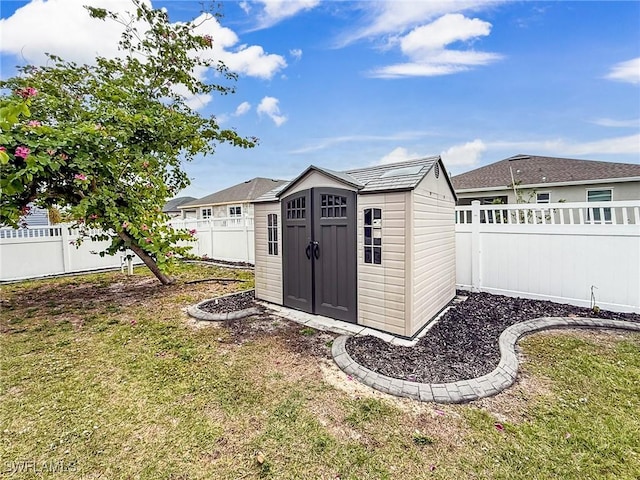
(344, 84)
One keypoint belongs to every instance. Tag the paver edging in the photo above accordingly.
(485, 386)
(196, 312)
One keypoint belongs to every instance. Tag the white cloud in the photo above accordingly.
(243, 108)
(393, 16)
(399, 154)
(609, 122)
(332, 141)
(269, 106)
(275, 11)
(467, 154)
(628, 71)
(629, 144)
(426, 48)
(445, 30)
(296, 53)
(64, 27)
(248, 60)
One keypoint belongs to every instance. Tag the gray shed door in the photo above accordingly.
(319, 252)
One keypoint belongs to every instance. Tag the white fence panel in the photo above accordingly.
(528, 251)
(42, 251)
(227, 238)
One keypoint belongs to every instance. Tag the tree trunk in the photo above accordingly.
(148, 261)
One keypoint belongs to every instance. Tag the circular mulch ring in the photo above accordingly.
(463, 344)
(227, 307)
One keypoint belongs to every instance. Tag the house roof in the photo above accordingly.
(242, 192)
(535, 170)
(380, 178)
(172, 205)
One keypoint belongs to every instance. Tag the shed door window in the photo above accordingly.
(296, 208)
(333, 206)
(599, 196)
(373, 236)
(272, 233)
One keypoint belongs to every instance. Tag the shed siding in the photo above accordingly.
(268, 268)
(433, 272)
(381, 288)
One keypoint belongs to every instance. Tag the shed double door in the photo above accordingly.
(319, 252)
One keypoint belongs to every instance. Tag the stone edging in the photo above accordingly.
(476, 388)
(196, 312)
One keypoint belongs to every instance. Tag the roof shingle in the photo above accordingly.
(242, 192)
(536, 170)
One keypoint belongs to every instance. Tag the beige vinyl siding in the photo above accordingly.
(268, 268)
(316, 179)
(432, 269)
(381, 288)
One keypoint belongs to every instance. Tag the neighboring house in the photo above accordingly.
(171, 207)
(548, 180)
(373, 246)
(37, 217)
(233, 202)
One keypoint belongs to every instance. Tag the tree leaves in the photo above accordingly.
(108, 141)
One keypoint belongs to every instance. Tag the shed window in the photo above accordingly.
(296, 208)
(272, 233)
(373, 236)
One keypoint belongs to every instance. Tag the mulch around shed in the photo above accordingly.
(463, 343)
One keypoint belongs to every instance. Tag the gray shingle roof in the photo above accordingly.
(379, 178)
(536, 170)
(242, 192)
(173, 204)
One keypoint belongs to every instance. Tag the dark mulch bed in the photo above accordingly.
(463, 344)
(230, 303)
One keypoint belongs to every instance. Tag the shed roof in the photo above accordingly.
(379, 178)
(242, 192)
(536, 170)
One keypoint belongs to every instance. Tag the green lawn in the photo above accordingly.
(104, 376)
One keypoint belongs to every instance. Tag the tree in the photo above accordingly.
(107, 142)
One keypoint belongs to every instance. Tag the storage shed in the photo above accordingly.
(373, 246)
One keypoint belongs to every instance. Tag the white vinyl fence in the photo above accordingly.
(577, 253)
(40, 251)
(226, 238)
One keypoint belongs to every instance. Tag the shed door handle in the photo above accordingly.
(316, 250)
(308, 251)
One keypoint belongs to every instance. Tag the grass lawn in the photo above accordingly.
(104, 376)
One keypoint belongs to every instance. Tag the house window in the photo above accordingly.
(604, 195)
(235, 211)
(373, 236)
(272, 233)
(543, 197)
(206, 213)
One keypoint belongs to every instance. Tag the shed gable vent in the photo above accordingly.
(399, 172)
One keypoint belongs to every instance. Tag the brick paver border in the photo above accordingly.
(196, 312)
(473, 389)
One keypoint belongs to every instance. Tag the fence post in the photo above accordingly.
(66, 247)
(476, 251)
(246, 238)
